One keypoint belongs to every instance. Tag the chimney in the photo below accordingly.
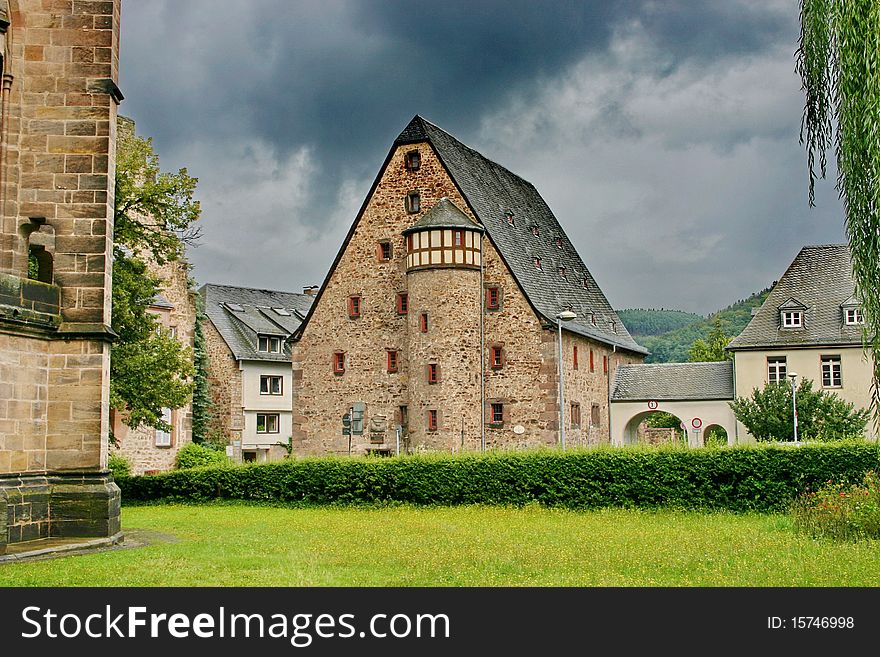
(311, 290)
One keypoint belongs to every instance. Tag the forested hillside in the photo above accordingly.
(674, 346)
(648, 321)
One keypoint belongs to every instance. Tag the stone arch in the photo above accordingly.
(697, 415)
(631, 430)
(718, 434)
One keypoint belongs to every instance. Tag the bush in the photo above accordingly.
(758, 478)
(822, 415)
(119, 466)
(194, 455)
(840, 511)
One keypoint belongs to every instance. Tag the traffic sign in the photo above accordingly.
(696, 423)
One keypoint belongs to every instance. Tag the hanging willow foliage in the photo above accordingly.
(839, 64)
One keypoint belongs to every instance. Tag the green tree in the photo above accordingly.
(822, 415)
(149, 369)
(839, 63)
(201, 401)
(711, 349)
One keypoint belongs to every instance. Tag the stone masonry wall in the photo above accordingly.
(526, 385)
(224, 380)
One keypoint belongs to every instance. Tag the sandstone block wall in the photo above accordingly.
(224, 380)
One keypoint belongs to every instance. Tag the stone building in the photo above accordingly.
(146, 448)
(57, 160)
(438, 315)
(246, 335)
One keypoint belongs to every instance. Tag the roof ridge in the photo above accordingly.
(253, 289)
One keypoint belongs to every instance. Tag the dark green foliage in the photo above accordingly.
(822, 415)
(759, 478)
(647, 321)
(194, 455)
(201, 400)
(712, 349)
(119, 465)
(675, 346)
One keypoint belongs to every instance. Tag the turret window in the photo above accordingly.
(423, 322)
(402, 303)
(574, 357)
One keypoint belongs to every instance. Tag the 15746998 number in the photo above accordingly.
(811, 622)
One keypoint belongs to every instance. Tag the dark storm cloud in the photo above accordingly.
(286, 109)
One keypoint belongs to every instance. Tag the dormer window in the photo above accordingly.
(537, 263)
(792, 319)
(561, 271)
(413, 161)
(558, 242)
(586, 283)
(269, 344)
(536, 231)
(413, 202)
(509, 216)
(853, 316)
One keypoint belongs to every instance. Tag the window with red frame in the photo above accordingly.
(592, 367)
(496, 413)
(575, 415)
(339, 362)
(423, 323)
(458, 238)
(574, 357)
(496, 358)
(409, 243)
(493, 298)
(432, 420)
(605, 364)
(385, 251)
(433, 372)
(402, 303)
(354, 306)
(392, 361)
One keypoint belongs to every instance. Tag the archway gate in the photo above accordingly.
(697, 393)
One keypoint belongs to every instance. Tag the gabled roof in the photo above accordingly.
(444, 214)
(161, 301)
(674, 382)
(492, 191)
(851, 302)
(819, 278)
(240, 314)
(792, 304)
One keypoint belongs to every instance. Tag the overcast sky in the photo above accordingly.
(663, 134)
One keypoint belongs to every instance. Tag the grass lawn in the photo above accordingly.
(238, 545)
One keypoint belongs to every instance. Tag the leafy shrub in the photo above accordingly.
(195, 455)
(822, 415)
(840, 511)
(759, 478)
(119, 465)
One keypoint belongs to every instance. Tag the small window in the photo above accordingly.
(403, 415)
(792, 319)
(432, 420)
(409, 243)
(423, 322)
(558, 242)
(595, 416)
(537, 263)
(776, 369)
(592, 366)
(575, 415)
(433, 372)
(458, 238)
(493, 298)
(585, 282)
(536, 231)
(413, 161)
(496, 413)
(354, 307)
(391, 361)
(605, 364)
(271, 385)
(496, 358)
(593, 319)
(269, 344)
(339, 362)
(854, 316)
(574, 357)
(385, 251)
(509, 216)
(831, 372)
(163, 438)
(561, 271)
(402, 303)
(413, 202)
(268, 423)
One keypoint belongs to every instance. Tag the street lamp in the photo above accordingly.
(793, 376)
(564, 316)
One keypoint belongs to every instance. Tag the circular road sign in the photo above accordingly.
(696, 423)
(653, 405)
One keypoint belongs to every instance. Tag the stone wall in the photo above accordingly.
(224, 381)
(57, 163)
(526, 385)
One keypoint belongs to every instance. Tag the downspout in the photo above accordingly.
(482, 292)
(4, 122)
(608, 386)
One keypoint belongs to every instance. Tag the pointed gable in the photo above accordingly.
(526, 233)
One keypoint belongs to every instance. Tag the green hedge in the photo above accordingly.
(760, 478)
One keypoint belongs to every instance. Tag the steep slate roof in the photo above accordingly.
(239, 328)
(674, 382)
(491, 192)
(819, 278)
